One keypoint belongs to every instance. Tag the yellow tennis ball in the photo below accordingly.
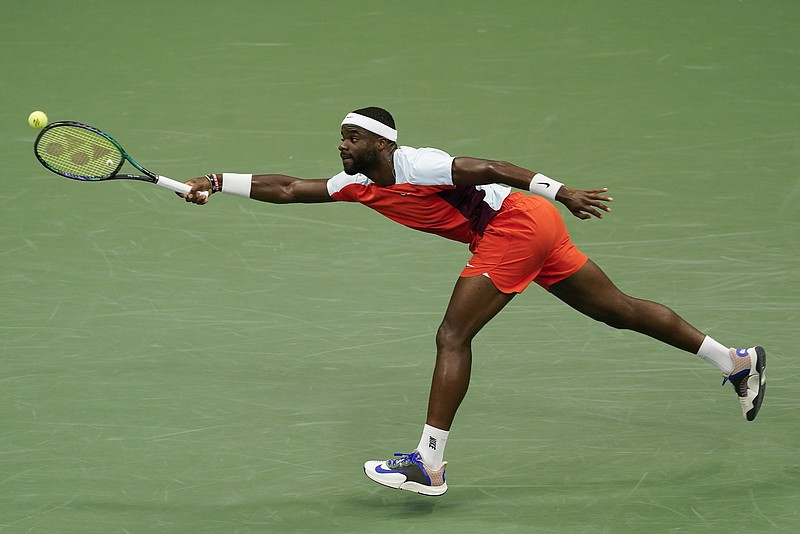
(37, 119)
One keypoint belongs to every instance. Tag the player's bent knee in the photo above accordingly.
(621, 315)
(449, 337)
(620, 323)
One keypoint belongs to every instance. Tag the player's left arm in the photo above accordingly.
(582, 203)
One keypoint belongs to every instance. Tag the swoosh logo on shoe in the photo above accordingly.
(379, 469)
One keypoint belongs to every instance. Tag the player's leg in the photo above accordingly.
(592, 293)
(475, 300)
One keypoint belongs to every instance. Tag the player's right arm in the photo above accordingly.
(273, 188)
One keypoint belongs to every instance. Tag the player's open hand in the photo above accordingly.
(194, 196)
(584, 204)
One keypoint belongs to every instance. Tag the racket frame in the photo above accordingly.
(149, 176)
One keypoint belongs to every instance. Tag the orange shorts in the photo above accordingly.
(526, 242)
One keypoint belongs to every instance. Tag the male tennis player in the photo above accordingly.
(515, 239)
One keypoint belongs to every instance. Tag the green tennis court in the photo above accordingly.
(228, 368)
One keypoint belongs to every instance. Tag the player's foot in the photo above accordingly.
(749, 378)
(408, 472)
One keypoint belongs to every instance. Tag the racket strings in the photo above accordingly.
(79, 153)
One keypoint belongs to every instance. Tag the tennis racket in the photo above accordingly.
(82, 152)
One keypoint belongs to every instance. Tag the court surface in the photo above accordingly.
(172, 368)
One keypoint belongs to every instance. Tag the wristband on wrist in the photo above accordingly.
(236, 184)
(214, 181)
(544, 187)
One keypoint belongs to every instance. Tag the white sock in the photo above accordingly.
(716, 354)
(431, 446)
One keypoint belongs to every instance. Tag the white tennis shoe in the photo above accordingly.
(749, 378)
(408, 472)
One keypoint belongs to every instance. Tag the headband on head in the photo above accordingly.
(371, 125)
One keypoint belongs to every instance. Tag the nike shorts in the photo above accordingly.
(526, 242)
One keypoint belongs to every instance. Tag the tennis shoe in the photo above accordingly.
(749, 379)
(408, 472)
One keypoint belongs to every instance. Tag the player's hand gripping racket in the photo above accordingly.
(81, 152)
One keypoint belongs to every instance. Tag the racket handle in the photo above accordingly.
(174, 185)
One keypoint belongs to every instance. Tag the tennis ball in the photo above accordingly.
(37, 119)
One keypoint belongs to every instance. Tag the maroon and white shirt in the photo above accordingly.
(424, 197)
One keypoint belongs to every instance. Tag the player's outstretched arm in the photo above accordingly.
(273, 188)
(582, 204)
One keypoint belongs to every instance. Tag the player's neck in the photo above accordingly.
(383, 173)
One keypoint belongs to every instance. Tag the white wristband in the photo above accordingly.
(236, 184)
(543, 186)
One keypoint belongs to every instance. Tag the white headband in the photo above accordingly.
(371, 125)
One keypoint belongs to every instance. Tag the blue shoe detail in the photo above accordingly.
(380, 469)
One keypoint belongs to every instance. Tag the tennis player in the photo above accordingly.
(515, 239)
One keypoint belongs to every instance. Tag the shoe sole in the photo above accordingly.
(761, 366)
(430, 491)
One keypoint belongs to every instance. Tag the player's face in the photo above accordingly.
(357, 150)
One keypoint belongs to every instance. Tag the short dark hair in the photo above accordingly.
(379, 114)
